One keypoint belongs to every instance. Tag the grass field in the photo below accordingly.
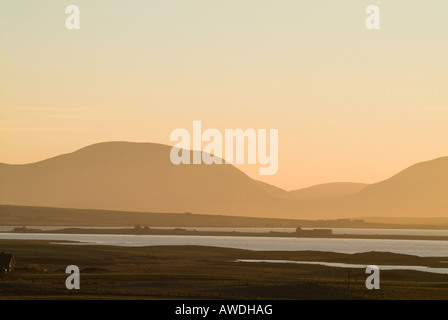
(196, 272)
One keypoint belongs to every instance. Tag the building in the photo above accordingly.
(7, 263)
(313, 232)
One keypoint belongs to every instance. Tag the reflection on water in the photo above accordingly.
(423, 248)
(354, 266)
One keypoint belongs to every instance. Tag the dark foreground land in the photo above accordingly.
(196, 272)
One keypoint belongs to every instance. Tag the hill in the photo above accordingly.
(140, 177)
(133, 177)
(420, 190)
(328, 190)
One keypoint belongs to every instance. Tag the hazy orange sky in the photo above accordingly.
(350, 104)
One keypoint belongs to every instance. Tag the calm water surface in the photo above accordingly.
(354, 266)
(423, 248)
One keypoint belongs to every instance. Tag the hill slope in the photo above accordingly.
(140, 177)
(132, 176)
(328, 190)
(420, 190)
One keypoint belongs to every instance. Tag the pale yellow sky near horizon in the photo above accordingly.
(350, 104)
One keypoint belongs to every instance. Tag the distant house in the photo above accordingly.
(7, 262)
(313, 232)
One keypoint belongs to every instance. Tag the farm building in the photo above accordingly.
(7, 262)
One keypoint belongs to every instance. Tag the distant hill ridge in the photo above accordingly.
(140, 177)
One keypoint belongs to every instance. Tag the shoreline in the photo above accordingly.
(185, 232)
(11, 215)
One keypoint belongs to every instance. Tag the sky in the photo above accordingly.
(350, 104)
